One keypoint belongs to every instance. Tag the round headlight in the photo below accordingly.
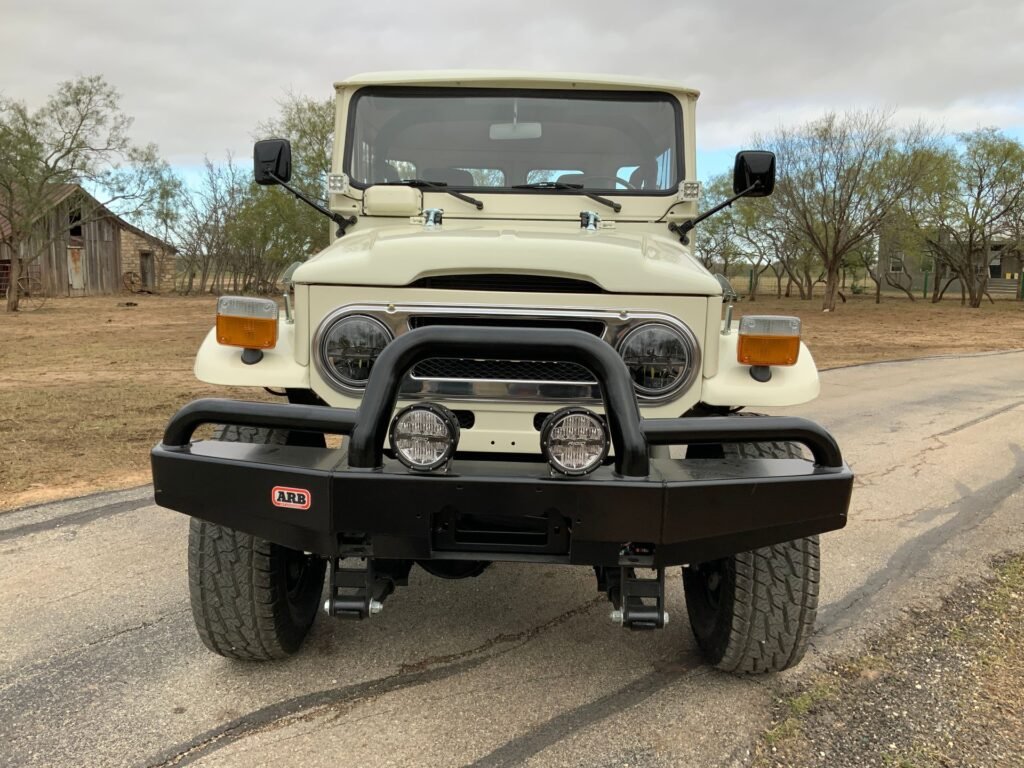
(349, 346)
(424, 436)
(661, 359)
(574, 440)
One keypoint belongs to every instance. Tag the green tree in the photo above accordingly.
(308, 124)
(78, 136)
(973, 198)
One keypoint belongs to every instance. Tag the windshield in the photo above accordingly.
(500, 139)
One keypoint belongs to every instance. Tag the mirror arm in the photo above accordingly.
(683, 229)
(343, 222)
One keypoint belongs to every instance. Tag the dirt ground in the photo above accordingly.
(87, 385)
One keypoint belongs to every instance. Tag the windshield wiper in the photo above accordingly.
(576, 187)
(439, 185)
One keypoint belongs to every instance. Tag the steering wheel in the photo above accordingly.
(614, 179)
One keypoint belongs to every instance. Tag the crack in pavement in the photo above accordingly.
(921, 459)
(917, 553)
(521, 748)
(980, 419)
(25, 674)
(937, 437)
(307, 706)
(136, 628)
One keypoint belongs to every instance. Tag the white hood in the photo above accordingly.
(618, 262)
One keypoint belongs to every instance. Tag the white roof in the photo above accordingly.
(505, 78)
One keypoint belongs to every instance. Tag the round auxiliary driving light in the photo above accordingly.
(574, 441)
(424, 436)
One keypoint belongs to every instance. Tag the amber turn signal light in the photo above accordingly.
(768, 340)
(246, 322)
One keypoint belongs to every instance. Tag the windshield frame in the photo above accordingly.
(562, 93)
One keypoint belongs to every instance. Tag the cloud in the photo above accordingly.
(198, 76)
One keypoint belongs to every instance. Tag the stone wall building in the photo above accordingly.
(148, 257)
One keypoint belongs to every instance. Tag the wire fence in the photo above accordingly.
(747, 282)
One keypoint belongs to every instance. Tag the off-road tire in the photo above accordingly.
(754, 612)
(252, 600)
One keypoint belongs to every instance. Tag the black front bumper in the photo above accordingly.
(673, 511)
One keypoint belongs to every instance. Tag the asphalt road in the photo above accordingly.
(100, 665)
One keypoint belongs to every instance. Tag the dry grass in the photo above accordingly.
(861, 331)
(88, 384)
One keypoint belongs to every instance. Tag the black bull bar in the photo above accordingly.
(319, 500)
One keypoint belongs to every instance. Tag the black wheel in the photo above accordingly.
(252, 600)
(754, 612)
(30, 294)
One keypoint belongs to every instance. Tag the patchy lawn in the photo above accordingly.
(941, 689)
(87, 385)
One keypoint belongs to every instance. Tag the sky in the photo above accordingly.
(198, 75)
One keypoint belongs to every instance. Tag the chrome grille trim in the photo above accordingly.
(463, 369)
(400, 319)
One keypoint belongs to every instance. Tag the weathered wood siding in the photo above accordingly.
(46, 253)
(102, 256)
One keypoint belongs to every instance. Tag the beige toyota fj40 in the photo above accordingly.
(525, 363)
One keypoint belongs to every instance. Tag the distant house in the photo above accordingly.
(84, 249)
(1006, 262)
(914, 267)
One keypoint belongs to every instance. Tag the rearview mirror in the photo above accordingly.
(272, 158)
(513, 131)
(754, 168)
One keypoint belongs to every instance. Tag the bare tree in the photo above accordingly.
(236, 236)
(840, 176)
(78, 136)
(767, 242)
(203, 229)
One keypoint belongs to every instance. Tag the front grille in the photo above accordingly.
(466, 369)
(593, 327)
(502, 370)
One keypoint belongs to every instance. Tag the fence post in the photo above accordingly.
(924, 292)
(1020, 286)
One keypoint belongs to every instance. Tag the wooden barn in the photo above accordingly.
(84, 249)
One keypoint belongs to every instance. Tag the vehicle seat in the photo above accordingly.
(571, 178)
(385, 173)
(453, 177)
(645, 176)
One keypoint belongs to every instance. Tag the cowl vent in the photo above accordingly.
(510, 283)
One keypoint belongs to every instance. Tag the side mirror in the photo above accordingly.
(270, 158)
(754, 167)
